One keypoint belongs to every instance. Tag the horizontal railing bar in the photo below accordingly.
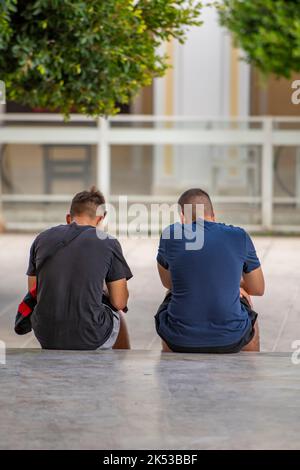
(49, 135)
(180, 118)
(114, 198)
(44, 117)
(286, 228)
(54, 117)
(285, 118)
(36, 198)
(286, 137)
(286, 200)
(172, 198)
(121, 136)
(38, 226)
(185, 136)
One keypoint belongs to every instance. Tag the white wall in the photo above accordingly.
(201, 88)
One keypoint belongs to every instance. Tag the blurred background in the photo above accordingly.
(212, 121)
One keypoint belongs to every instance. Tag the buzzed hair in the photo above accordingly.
(195, 196)
(87, 203)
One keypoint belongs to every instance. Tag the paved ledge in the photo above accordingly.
(145, 399)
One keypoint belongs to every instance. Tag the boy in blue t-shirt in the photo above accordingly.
(208, 306)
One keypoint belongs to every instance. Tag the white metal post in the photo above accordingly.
(103, 158)
(2, 108)
(1, 204)
(267, 175)
(298, 176)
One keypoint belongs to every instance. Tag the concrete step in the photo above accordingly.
(144, 399)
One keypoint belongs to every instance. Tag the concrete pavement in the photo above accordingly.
(145, 400)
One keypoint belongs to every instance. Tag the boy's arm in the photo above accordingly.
(31, 282)
(165, 276)
(118, 293)
(253, 282)
(252, 278)
(31, 270)
(116, 279)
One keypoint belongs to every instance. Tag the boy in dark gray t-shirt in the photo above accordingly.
(69, 265)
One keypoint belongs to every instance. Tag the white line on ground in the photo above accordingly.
(285, 319)
(152, 342)
(11, 306)
(267, 250)
(28, 341)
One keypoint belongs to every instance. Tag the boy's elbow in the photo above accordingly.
(121, 303)
(259, 291)
(167, 285)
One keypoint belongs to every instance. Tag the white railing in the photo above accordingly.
(39, 128)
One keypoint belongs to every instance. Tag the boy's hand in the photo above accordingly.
(245, 294)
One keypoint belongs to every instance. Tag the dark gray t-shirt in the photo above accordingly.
(69, 312)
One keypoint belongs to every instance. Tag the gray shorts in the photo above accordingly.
(114, 334)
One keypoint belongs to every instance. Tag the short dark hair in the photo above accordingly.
(87, 202)
(196, 196)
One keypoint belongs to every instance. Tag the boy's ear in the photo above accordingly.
(182, 218)
(68, 219)
(99, 219)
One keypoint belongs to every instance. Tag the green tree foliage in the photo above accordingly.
(86, 55)
(268, 31)
(6, 8)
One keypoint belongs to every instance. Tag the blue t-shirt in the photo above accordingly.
(205, 308)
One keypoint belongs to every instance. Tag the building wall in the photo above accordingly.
(208, 79)
(272, 96)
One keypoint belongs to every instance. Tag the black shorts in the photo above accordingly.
(232, 348)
